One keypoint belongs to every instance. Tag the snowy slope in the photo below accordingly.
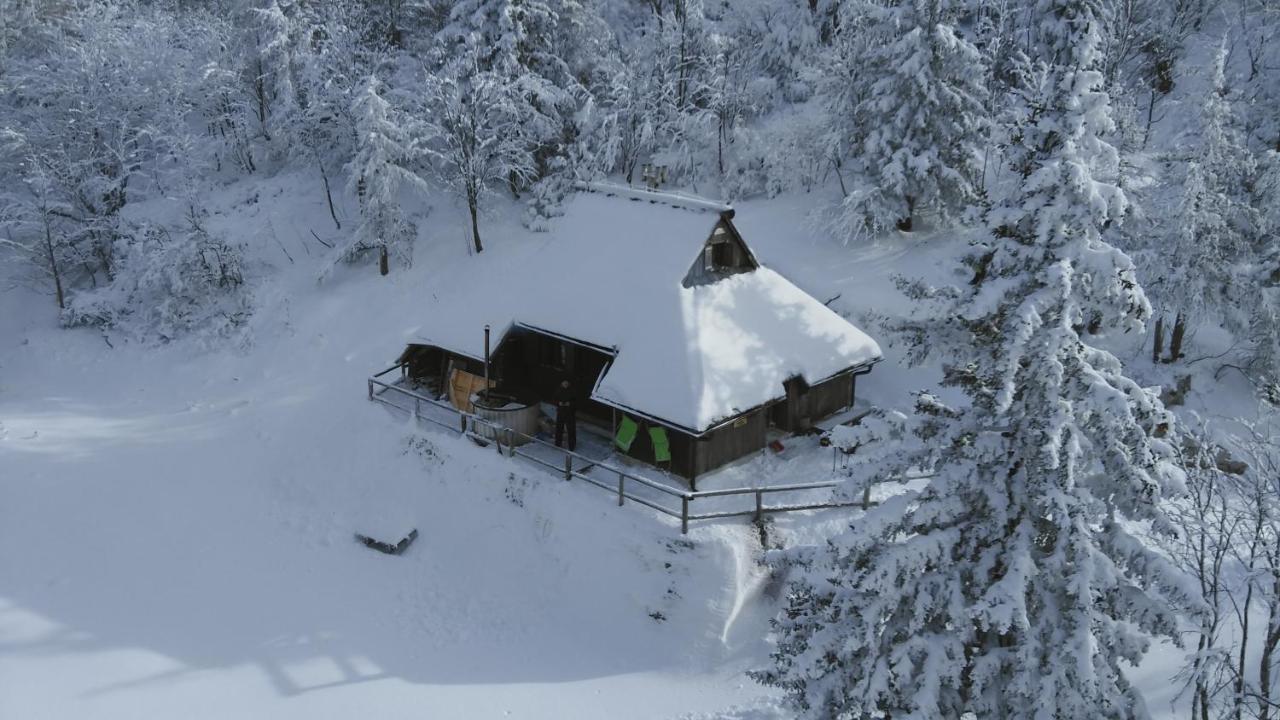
(176, 523)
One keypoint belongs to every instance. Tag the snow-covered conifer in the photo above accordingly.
(1199, 272)
(377, 175)
(1010, 585)
(271, 72)
(920, 119)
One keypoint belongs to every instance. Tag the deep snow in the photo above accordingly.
(176, 522)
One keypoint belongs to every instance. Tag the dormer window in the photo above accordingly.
(722, 255)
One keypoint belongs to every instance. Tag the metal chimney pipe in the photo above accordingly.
(486, 362)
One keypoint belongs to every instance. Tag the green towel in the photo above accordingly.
(661, 445)
(627, 430)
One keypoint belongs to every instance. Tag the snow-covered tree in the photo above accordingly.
(378, 174)
(1010, 585)
(271, 71)
(32, 219)
(543, 52)
(475, 134)
(1264, 321)
(331, 65)
(1199, 272)
(623, 124)
(171, 282)
(920, 120)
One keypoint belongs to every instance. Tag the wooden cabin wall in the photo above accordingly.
(682, 448)
(728, 253)
(830, 397)
(532, 365)
(740, 438)
(800, 409)
(423, 362)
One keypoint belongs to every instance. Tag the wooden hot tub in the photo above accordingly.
(507, 411)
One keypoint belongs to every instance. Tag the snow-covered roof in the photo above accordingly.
(609, 272)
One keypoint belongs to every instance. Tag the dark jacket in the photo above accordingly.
(564, 399)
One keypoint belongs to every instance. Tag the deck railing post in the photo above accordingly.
(621, 479)
(759, 505)
(417, 409)
(463, 430)
(684, 514)
(568, 467)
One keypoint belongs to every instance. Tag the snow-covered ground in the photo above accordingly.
(176, 523)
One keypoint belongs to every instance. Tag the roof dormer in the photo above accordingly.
(723, 254)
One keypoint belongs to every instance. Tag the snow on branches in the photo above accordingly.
(1011, 585)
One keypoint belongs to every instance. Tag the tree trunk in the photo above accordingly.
(835, 162)
(1270, 641)
(475, 225)
(1175, 342)
(383, 264)
(1157, 347)
(53, 264)
(720, 148)
(1250, 563)
(905, 223)
(328, 195)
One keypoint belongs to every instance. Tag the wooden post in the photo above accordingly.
(486, 362)
(759, 505)
(463, 429)
(371, 388)
(417, 409)
(383, 268)
(684, 515)
(568, 467)
(866, 496)
(621, 497)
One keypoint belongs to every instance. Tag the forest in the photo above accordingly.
(1102, 361)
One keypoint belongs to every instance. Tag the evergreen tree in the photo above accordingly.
(547, 53)
(271, 72)
(1200, 271)
(920, 120)
(1264, 321)
(1010, 586)
(377, 174)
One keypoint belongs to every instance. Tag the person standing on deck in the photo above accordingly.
(566, 415)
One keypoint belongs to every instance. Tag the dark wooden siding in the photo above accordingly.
(746, 435)
(805, 405)
(830, 397)
(532, 365)
(722, 255)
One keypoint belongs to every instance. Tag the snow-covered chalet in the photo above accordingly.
(656, 310)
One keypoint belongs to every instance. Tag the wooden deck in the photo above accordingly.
(630, 482)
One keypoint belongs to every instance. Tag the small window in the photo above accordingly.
(718, 255)
(723, 255)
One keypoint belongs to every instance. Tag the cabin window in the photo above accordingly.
(723, 254)
(718, 255)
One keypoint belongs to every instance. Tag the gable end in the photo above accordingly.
(723, 254)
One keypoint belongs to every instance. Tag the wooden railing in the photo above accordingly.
(504, 438)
